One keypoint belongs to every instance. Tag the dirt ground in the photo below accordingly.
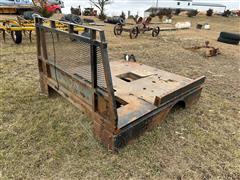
(48, 138)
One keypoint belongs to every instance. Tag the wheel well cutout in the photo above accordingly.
(178, 106)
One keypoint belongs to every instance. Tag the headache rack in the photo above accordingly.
(124, 99)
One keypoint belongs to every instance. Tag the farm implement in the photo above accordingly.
(123, 98)
(21, 6)
(17, 28)
(209, 51)
(141, 26)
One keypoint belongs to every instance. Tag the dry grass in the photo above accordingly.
(42, 138)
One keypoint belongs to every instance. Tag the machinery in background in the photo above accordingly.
(21, 6)
(90, 12)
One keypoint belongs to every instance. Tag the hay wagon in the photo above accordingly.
(124, 99)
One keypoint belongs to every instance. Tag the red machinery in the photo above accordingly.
(52, 8)
(40, 4)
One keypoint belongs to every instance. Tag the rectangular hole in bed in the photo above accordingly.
(129, 77)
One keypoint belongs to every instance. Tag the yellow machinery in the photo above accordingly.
(19, 26)
(16, 28)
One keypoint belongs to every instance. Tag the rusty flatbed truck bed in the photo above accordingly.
(124, 99)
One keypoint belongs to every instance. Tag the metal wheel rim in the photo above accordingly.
(134, 33)
(117, 30)
(156, 32)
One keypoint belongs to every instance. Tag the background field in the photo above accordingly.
(48, 138)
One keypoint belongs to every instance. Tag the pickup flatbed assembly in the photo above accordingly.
(124, 99)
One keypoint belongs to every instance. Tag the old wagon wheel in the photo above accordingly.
(155, 32)
(134, 33)
(139, 20)
(118, 30)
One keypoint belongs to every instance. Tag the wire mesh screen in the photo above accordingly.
(101, 81)
(74, 57)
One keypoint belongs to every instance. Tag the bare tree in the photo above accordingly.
(100, 4)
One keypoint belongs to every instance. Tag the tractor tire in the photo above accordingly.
(228, 41)
(232, 36)
(72, 18)
(87, 20)
(156, 32)
(134, 33)
(121, 21)
(17, 36)
(115, 20)
(28, 15)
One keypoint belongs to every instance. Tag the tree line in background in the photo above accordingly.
(190, 13)
(101, 6)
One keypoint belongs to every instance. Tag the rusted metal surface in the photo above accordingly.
(209, 50)
(124, 99)
(142, 26)
(140, 85)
